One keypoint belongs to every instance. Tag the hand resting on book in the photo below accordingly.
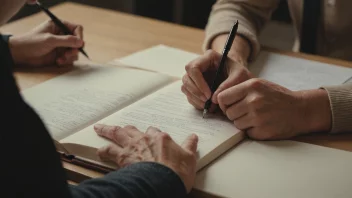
(131, 146)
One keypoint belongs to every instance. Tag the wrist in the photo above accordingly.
(240, 49)
(317, 116)
(15, 52)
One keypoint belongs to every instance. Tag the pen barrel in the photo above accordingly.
(207, 104)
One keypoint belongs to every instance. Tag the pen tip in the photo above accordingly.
(204, 112)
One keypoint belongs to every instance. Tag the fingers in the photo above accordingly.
(110, 152)
(237, 110)
(79, 32)
(75, 28)
(132, 131)
(194, 101)
(192, 88)
(232, 95)
(67, 41)
(244, 122)
(68, 57)
(115, 133)
(191, 143)
(237, 74)
(152, 131)
(196, 68)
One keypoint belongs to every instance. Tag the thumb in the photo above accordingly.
(191, 143)
(66, 41)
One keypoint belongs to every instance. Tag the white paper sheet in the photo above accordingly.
(297, 74)
(290, 72)
(279, 169)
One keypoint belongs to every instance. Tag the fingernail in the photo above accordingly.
(195, 137)
(203, 98)
(98, 128)
(207, 95)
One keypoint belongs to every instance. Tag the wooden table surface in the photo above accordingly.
(110, 34)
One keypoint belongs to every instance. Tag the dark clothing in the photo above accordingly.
(31, 165)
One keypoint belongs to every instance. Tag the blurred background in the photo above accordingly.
(278, 33)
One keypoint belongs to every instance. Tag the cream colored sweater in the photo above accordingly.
(334, 39)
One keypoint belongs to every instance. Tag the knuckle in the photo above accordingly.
(115, 132)
(255, 101)
(221, 97)
(48, 37)
(164, 136)
(130, 127)
(184, 79)
(210, 53)
(255, 83)
(144, 139)
(189, 66)
(183, 89)
(114, 129)
(194, 67)
(243, 73)
(80, 27)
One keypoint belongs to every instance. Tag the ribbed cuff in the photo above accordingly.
(341, 107)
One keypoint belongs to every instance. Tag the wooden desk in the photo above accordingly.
(110, 35)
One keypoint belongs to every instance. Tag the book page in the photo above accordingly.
(160, 58)
(277, 169)
(168, 110)
(79, 98)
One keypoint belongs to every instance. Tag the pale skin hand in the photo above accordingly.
(267, 111)
(200, 72)
(45, 45)
(132, 146)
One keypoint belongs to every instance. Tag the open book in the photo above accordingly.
(72, 103)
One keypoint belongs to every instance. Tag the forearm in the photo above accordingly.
(135, 181)
(251, 15)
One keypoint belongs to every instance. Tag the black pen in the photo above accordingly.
(226, 50)
(57, 22)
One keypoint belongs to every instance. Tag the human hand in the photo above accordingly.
(267, 111)
(46, 45)
(200, 75)
(132, 146)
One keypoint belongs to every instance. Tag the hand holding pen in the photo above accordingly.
(201, 72)
(64, 28)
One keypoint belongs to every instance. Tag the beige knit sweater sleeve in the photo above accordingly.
(252, 16)
(341, 107)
